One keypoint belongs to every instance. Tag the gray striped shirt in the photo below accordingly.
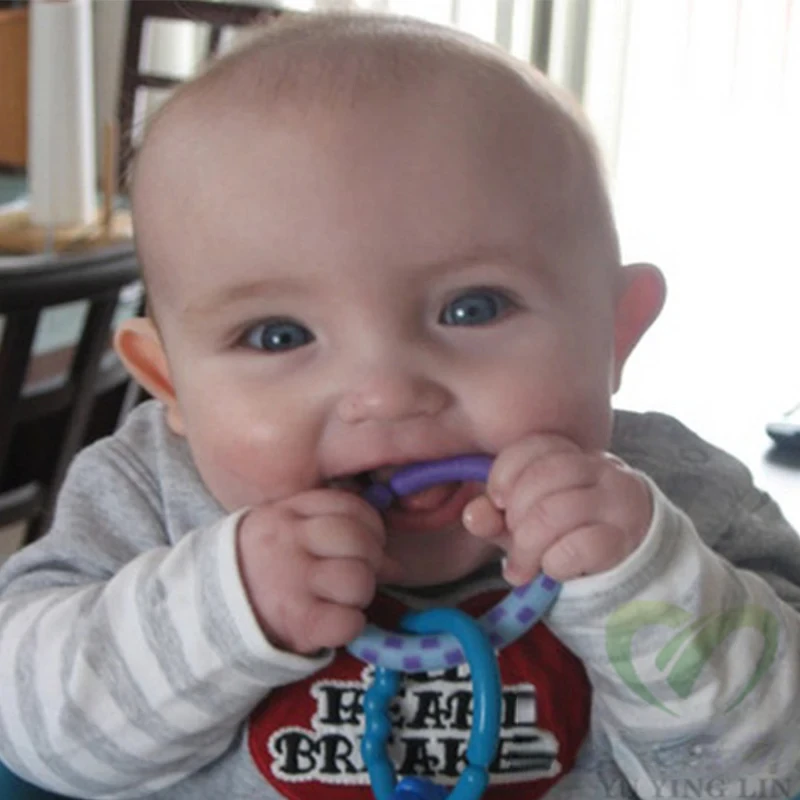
(130, 659)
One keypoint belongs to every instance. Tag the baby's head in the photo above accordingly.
(369, 242)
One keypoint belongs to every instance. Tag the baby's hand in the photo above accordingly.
(310, 565)
(555, 508)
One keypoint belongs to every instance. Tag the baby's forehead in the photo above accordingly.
(340, 64)
(337, 71)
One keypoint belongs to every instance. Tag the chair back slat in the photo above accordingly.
(218, 16)
(47, 398)
(25, 502)
(15, 353)
(93, 344)
(214, 39)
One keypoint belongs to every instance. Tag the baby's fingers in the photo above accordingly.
(587, 551)
(345, 581)
(328, 625)
(336, 503)
(545, 523)
(482, 518)
(554, 475)
(335, 537)
(511, 463)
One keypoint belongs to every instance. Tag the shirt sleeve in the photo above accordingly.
(694, 660)
(123, 672)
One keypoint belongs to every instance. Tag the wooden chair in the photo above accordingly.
(218, 16)
(47, 398)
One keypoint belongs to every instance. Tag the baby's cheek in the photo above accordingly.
(245, 465)
(510, 407)
(538, 401)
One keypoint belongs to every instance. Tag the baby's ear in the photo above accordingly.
(640, 298)
(138, 344)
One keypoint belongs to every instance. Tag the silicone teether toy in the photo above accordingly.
(485, 714)
(438, 639)
(506, 622)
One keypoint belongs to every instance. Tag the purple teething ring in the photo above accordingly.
(505, 622)
(416, 477)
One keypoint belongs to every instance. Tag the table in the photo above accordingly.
(59, 327)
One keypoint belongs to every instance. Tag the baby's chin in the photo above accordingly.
(436, 558)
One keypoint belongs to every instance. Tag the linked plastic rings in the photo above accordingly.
(486, 704)
(522, 608)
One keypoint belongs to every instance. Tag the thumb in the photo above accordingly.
(483, 519)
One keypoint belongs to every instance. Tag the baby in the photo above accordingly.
(369, 242)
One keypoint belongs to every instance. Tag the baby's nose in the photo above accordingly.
(388, 395)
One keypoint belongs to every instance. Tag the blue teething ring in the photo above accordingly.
(486, 693)
(507, 621)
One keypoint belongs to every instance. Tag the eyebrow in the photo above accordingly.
(291, 284)
(284, 284)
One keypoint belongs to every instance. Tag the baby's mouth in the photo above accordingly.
(422, 510)
(355, 484)
(428, 499)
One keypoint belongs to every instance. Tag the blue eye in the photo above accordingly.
(278, 337)
(476, 307)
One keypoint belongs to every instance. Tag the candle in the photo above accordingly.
(61, 167)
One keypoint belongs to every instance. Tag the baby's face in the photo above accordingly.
(351, 293)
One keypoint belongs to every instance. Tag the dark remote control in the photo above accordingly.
(786, 430)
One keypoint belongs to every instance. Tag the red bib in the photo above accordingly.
(305, 737)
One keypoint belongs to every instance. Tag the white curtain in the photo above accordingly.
(706, 105)
(506, 22)
(697, 103)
